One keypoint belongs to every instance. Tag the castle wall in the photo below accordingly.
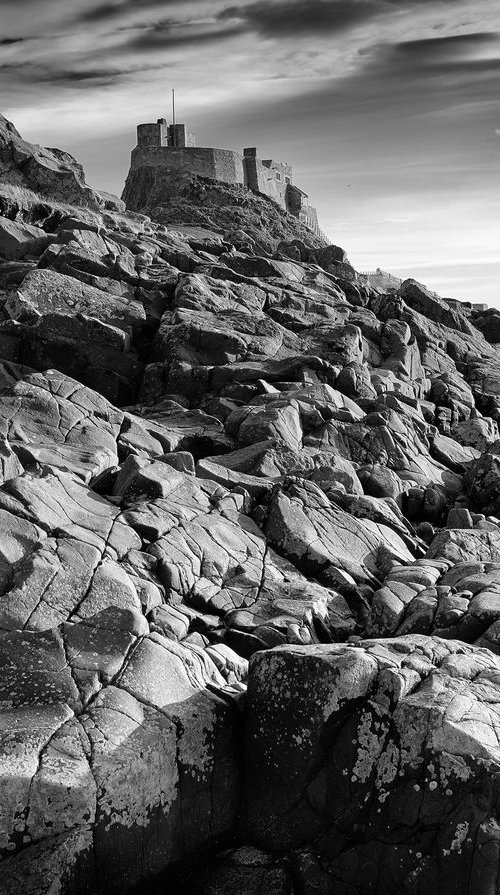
(271, 186)
(179, 137)
(273, 179)
(261, 177)
(218, 164)
(279, 178)
(149, 135)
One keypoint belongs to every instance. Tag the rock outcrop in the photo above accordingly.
(225, 460)
(249, 221)
(27, 170)
(384, 756)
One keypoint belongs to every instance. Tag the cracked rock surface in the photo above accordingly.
(392, 751)
(225, 462)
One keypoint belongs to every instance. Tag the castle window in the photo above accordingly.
(278, 175)
(288, 180)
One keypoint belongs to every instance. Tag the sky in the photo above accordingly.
(388, 110)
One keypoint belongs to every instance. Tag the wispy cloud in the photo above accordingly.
(170, 33)
(9, 41)
(450, 44)
(301, 18)
(111, 12)
(296, 17)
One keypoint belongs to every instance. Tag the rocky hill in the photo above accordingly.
(250, 556)
(248, 220)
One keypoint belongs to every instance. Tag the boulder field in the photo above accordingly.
(249, 554)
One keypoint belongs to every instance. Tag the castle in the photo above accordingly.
(170, 146)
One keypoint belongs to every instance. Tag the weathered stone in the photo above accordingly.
(294, 443)
(402, 725)
(52, 420)
(167, 749)
(321, 539)
(18, 240)
(459, 545)
(379, 481)
(482, 481)
(459, 517)
(477, 432)
(46, 292)
(49, 172)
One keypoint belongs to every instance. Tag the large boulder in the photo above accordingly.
(45, 292)
(382, 758)
(431, 305)
(477, 432)
(488, 322)
(115, 788)
(51, 420)
(324, 541)
(55, 320)
(51, 173)
(482, 481)
(18, 240)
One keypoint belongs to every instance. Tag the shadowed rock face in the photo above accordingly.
(385, 756)
(50, 173)
(225, 460)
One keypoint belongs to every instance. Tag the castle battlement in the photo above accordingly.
(171, 146)
(173, 136)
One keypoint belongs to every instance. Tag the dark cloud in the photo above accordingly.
(419, 77)
(453, 43)
(29, 73)
(8, 41)
(454, 55)
(305, 17)
(302, 16)
(102, 13)
(108, 12)
(152, 34)
(163, 35)
(97, 76)
(75, 78)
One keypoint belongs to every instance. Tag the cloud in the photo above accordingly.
(44, 74)
(468, 56)
(477, 50)
(102, 13)
(301, 17)
(74, 77)
(8, 41)
(450, 43)
(107, 12)
(170, 34)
